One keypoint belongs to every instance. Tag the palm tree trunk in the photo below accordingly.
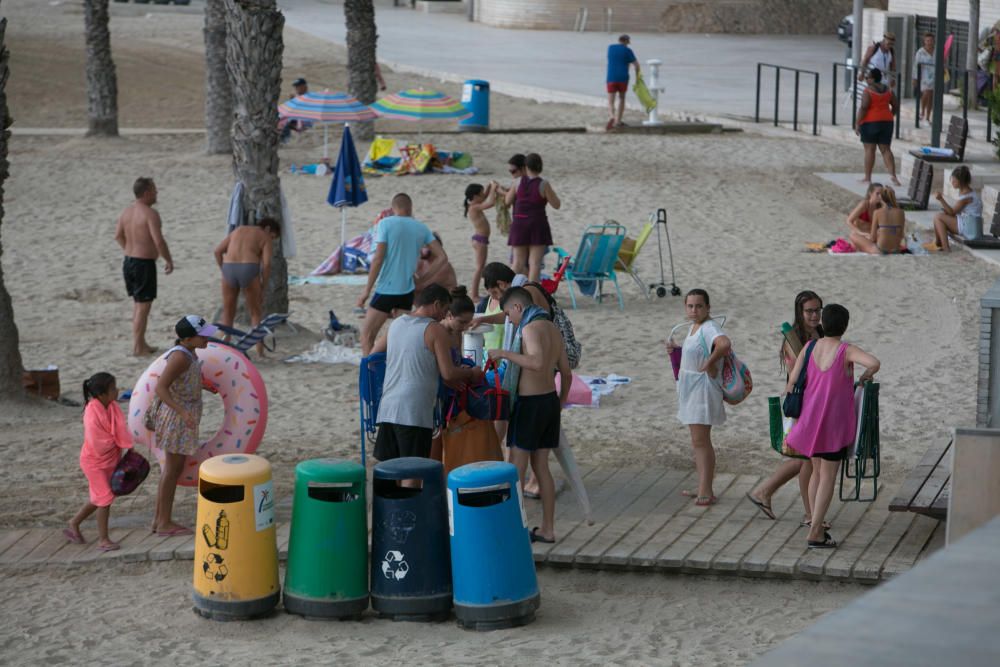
(360, 18)
(218, 90)
(11, 370)
(102, 82)
(254, 47)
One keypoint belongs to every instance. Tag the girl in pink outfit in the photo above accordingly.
(105, 435)
(827, 425)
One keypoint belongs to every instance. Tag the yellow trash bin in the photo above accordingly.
(236, 547)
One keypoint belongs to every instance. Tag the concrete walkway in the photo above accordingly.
(704, 73)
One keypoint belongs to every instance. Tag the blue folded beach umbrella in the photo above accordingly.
(348, 186)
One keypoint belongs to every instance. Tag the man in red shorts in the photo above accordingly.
(620, 56)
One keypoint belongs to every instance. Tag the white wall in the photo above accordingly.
(989, 10)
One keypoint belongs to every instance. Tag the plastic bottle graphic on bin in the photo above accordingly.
(493, 570)
(327, 573)
(410, 565)
(236, 552)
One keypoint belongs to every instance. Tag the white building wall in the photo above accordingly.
(989, 10)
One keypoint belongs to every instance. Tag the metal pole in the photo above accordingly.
(777, 84)
(965, 97)
(899, 106)
(833, 97)
(854, 99)
(857, 35)
(795, 111)
(971, 52)
(936, 116)
(816, 106)
(756, 113)
(916, 118)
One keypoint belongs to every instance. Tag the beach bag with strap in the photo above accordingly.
(559, 318)
(792, 407)
(780, 426)
(468, 440)
(735, 378)
(489, 402)
(130, 472)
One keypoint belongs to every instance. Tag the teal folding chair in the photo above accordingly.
(595, 261)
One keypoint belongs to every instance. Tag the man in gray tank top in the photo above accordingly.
(418, 353)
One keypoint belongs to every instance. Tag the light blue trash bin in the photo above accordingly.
(476, 98)
(493, 572)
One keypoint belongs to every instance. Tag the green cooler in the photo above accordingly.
(327, 572)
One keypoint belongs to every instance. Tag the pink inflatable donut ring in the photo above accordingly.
(243, 395)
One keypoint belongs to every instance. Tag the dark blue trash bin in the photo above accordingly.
(411, 567)
(493, 571)
(476, 98)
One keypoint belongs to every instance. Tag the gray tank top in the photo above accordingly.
(411, 375)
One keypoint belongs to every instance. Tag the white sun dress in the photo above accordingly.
(699, 396)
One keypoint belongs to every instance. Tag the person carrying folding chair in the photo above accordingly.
(244, 257)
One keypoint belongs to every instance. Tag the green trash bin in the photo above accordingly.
(327, 571)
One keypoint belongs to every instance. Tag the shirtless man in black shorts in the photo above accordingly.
(140, 235)
(535, 417)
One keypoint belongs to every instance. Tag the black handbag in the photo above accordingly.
(792, 406)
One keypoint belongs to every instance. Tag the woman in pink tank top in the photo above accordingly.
(827, 425)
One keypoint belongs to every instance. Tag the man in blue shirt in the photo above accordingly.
(398, 241)
(620, 56)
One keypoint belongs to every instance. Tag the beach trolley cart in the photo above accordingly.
(327, 572)
(492, 564)
(864, 462)
(236, 546)
(661, 287)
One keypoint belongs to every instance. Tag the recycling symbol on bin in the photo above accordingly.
(394, 567)
(214, 567)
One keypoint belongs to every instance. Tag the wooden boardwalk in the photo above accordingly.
(641, 522)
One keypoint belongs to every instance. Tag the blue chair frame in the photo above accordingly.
(595, 260)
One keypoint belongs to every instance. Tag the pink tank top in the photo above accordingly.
(828, 422)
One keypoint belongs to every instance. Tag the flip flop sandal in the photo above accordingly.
(535, 537)
(109, 547)
(75, 538)
(827, 543)
(175, 532)
(705, 501)
(765, 509)
(808, 524)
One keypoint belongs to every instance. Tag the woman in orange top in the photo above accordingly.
(874, 124)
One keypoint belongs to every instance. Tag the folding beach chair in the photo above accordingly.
(629, 252)
(595, 261)
(371, 376)
(864, 463)
(244, 340)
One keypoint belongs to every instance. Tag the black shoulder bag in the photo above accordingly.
(792, 407)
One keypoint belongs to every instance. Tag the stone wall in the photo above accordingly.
(697, 16)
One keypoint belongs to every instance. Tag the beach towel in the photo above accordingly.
(339, 279)
(642, 92)
(512, 373)
(237, 216)
(360, 246)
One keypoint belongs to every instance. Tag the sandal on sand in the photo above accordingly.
(174, 532)
(535, 537)
(827, 543)
(766, 509)
(109, 547)
(610, 125)
(75, 538)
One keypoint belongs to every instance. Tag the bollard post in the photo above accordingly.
(833, 95)
(777, 84)
(816, 106)
(795, 109)
(756, 113)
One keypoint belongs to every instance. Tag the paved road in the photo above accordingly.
(706, 73)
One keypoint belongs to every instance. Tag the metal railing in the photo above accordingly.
(777, 98)
(855, 95)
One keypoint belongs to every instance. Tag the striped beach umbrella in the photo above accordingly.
(325, 108)
(420, 104)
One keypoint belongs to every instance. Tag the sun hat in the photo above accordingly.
(192, 325)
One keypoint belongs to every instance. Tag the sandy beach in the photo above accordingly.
(741, 207)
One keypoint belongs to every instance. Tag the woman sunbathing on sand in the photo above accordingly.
(860, 219)
(886, 237)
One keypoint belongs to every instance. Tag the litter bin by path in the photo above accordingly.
(476, 98)
(493, 571)
(327, 571)
(411, 570)
(236, 548)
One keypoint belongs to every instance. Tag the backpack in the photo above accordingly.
(561, 320)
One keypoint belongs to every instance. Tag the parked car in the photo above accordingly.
(845, 29)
